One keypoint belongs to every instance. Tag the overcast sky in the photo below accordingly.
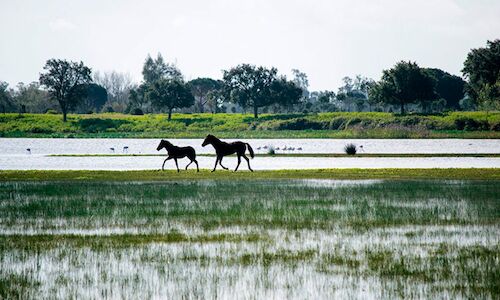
(325, 39)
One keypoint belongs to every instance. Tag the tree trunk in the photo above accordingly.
(402, 108)
(64, 115)
(169, 114)
(255, 111)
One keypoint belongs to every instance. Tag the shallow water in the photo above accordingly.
(42, 162)
(14, 156)
(18, 146)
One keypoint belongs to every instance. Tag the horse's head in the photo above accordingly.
(163, 144)
(208, 140)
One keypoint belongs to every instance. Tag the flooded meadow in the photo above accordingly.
(250, 239)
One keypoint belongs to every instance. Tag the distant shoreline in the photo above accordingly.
(352, 125)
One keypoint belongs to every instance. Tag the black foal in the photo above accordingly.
(175, 152)
(223, 149)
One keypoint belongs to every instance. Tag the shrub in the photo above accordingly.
(51, 112)
(137, 112)
(99, 125)
(350, 149)
(271, 150)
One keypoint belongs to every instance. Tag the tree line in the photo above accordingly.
(67, 86)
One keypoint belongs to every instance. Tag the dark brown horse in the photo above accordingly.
(223, 149)
(175, 152)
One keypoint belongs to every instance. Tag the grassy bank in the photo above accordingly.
(154, 175)
(322, 125)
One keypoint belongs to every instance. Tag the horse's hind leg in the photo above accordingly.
(176, 164)
(189, 164)
(239, 161)
(197, 168)
(248, 162)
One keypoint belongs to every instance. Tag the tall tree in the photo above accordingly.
(448, 87)
(300, 79)
(62, 79)
(482, 70)
(6, 102)
(250, 86)
(169, 94)
(156, 69)
(405, 83)
(201, 89)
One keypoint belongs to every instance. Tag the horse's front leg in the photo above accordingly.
(162, 167)
(216, 162)
(177, 165)
(220, 163)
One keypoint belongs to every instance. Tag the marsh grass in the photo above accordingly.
(253, 238)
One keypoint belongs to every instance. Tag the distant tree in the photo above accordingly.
(300, 79)
(169, 94)
(201, 88)
(448, 87)
(250, 86)
(6, 101)
(285, 92)
(482, 70)
(326, 97)
(156, 69)
(95, 98)
(63, 80)
(33, 98)
(405, 83)
(355, 91)
(118, 86)
(138, 98)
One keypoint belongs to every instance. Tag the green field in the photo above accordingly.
(169, 175)
(255, 238)
(321, 125)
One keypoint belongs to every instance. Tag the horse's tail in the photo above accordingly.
(252, 154)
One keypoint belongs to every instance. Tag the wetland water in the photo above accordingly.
(14, 156)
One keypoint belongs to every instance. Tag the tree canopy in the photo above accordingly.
(256, 87)
(156, 69)
(95, 96)
(63, 80)
(405, 83)
(448, 87)
(482, 70)
(169, 94)
(201, 88)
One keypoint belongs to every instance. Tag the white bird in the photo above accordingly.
(277, 148)
(258, 148)
(125, 149)
(29, 150)
(361, 147)
(291, 148)
(265, 147)
(285, 148)
(112, 149)
(300, 148)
